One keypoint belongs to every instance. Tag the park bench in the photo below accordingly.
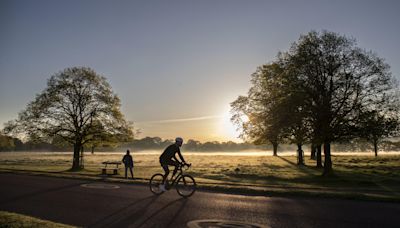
(110, 165)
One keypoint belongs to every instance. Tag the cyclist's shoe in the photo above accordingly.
(167, 185)
(162, 188)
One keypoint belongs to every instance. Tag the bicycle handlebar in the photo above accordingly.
(186, 164)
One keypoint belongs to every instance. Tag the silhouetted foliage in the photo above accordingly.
(340, 81)
(374, 127)
(147, 143)
(264, 122)
(156, 143)
(6, 143)
(316, 91)
(78, 107)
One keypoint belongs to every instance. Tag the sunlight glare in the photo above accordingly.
(228, 128)
(244, 118)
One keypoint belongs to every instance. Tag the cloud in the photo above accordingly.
(184, 119)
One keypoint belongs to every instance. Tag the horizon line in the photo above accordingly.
(183, 119)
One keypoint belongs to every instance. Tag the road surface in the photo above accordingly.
(98, 204)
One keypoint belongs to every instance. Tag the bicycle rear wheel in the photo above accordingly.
(186, 186)
(155, 182)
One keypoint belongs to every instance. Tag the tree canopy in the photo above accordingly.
(316, 92)
(78, 107)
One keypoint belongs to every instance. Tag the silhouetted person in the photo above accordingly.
(128, 162)
(168, 157)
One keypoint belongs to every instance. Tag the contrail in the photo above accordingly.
(183, 119)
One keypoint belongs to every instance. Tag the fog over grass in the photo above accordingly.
(355, 174)
(205, 153)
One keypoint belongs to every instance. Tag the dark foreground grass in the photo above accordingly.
(355, 177)
(13, 220)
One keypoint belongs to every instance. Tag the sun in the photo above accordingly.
(228, 129)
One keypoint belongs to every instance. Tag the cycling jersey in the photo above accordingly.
(170, 152)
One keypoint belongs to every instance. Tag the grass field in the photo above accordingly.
(13, 220)
(355, 175)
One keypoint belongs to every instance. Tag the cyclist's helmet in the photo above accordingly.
(179, 140)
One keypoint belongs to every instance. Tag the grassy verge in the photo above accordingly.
(11, 220)
(356, 177)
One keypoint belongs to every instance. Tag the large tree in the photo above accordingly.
(77, 106)
(340, 80)
(264, 122)
(336, 81)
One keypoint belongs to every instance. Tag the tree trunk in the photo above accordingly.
(75, 161)
(319, 155)
(328, 162)
(313, 151)
(275, 146)
(376, 148)
(81, 162)
(300, 153)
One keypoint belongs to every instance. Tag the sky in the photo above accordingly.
(176, 65)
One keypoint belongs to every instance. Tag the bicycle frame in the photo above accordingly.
(177, 176)
(185, 189)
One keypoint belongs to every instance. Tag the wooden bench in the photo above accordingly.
(114, 167)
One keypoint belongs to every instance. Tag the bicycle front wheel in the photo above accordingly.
(155, 182)
(186, 186)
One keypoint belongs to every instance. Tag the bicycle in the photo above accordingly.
(185, 184)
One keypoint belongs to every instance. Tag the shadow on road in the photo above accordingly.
(124, 216)
(44, 191)
(134, 214)
(178, 212)
(182, 201)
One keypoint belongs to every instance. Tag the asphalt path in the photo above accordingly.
(101, 204)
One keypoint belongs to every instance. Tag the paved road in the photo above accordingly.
(66, 201)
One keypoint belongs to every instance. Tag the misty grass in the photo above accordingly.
(353, 174)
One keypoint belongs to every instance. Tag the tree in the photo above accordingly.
(192, 145)
(375, 126)
(264, 122)
(275, 107)
(293, 109)
(340, 80)
(298, 130)
(78, 106)
(6, 143)
(107, 139)
(336, 81)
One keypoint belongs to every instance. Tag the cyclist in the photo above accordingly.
(168, 157)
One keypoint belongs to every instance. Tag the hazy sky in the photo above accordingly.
(176, 65)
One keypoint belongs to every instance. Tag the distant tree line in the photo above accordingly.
(151, 143)
(8, 143)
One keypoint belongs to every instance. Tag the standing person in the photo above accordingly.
(128, 162)
(168, 157)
